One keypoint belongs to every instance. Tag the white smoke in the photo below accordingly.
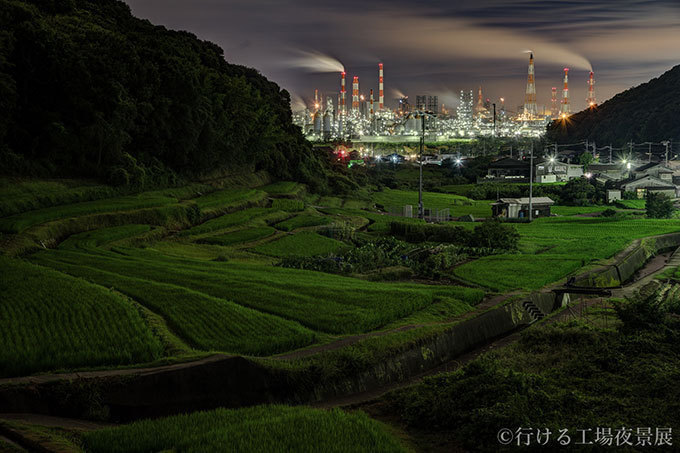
(316, 62)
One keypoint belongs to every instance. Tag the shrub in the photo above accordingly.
(641, 312)
(659, 206)
(494, 234)
(609, 212)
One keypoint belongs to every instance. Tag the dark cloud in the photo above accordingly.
(438, 46)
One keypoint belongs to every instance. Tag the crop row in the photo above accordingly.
(49, 320)
(322, 302)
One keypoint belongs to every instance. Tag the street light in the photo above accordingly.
(422, 114)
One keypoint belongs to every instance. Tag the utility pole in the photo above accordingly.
(421, 210)
(531, 180)
(666, 143)
(494, 119)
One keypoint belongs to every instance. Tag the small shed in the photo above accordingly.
(518, 208)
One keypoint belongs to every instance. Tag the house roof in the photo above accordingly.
(525, 200)
(650, 181)
(605, 167)
(509, 162)
(662, 168)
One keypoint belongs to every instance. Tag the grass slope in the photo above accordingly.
(254, 429)
(48, 321)
(305, 243)
(323, 302)
(551, 248)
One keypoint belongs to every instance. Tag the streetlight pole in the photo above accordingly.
(531, 181)
(421, 210)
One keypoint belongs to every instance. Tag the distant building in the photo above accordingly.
(655, 169)
(427, 102)
(518, 208)
(403, 105)
(508, 168)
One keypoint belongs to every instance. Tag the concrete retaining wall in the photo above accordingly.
(628, 262)
(227, 381)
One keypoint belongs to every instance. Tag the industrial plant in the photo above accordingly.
(368, 121)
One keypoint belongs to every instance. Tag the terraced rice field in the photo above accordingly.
(551, 248)
(47, 321)
(255, 429)
(303, 220)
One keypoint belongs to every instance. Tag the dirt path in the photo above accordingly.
(49, 421)
(43, 378)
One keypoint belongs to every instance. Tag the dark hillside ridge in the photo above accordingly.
(86, 89)
(648, 112)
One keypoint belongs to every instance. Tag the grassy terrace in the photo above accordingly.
(458, 205)
(213, 286)
(322, 302)
(551, 248)
(58, 316)
(255, 429)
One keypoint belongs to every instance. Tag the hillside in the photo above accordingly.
(647, 112)
(86, 89)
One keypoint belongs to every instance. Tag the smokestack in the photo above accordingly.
(553, 106)
(316, 100)
(590, 101)
(355, 94)
(342, 94)
(530, 110)
(371, 101)
(566, 106)
(381, 92)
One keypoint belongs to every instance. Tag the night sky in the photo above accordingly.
(437, 46)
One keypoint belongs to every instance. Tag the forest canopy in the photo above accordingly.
(86, 89)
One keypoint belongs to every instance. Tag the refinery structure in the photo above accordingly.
(366, 120)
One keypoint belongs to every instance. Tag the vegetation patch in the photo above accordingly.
(305, 243)
(254, 429)
(285, 204)
(604, 377)
(240, 236)
(300, 221)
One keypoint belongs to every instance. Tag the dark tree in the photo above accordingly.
(659, 206)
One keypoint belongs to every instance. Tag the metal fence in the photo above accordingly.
(430, 215)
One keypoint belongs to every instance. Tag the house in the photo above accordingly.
(655, 169)
(650, 183)
(545, 170)
(518, 208)
(509, 169)
(553, 170)
(608, 172)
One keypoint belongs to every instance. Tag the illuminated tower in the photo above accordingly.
(372, 102)
(530, 110)
(480, 102)
(343, 110)
(355, 94)
(590, 100)
(316, 100)
(565, 108)
(381, 92)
